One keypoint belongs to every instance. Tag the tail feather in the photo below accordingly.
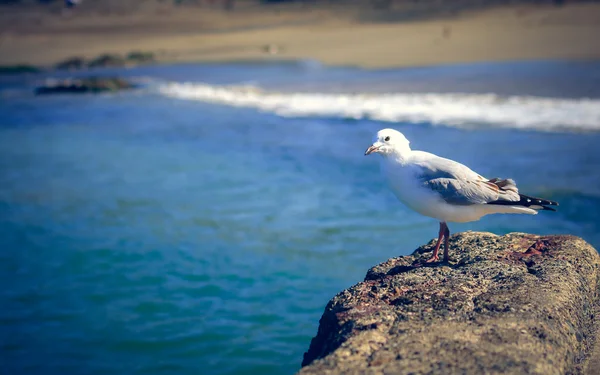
(509, 186)
(529, 202)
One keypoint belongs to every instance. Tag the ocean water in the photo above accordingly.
(199, 224)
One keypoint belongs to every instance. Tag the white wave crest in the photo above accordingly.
(463, 110)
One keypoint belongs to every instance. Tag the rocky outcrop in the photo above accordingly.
(18, 69)
(106, 60)
(83, 86)
(140, 57)
(73, 63)
(515, 304)
(133, 58)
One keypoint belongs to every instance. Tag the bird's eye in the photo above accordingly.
(387, 139)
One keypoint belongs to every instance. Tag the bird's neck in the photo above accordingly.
(398, 156)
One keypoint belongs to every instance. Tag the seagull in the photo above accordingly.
(445, 189)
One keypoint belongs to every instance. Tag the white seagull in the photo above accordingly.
(444, 189)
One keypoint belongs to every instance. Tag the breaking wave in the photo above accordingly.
(460, 110)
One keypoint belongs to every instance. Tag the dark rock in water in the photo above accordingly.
(84, 85)
(515, 304)
(107, 60)
(140, 57)
(73, 63)
(18, 69)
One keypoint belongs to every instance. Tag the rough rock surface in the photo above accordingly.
(515, 304)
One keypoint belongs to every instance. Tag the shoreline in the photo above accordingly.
(502, 34)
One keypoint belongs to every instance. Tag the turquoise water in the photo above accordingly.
(202, 228)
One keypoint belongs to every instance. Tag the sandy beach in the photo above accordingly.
(42, 35)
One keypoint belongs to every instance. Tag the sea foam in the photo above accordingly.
(449, 109)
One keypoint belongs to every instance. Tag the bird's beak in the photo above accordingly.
(373, 148)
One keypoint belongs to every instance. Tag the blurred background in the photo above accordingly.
(183, 186)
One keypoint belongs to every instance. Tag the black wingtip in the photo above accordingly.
(531, 202)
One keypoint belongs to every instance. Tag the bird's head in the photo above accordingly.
(388, 141)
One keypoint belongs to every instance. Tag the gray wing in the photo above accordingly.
(463, 192)
(457, 184)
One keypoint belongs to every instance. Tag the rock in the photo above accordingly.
(107, 60)
(516, 304)
(140, 57)
(18, 69)
(83, 85)
(73, 63)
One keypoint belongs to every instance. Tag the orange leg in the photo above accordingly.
(446, 237)
(435, 257)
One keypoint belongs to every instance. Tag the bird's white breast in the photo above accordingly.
(403, 183)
